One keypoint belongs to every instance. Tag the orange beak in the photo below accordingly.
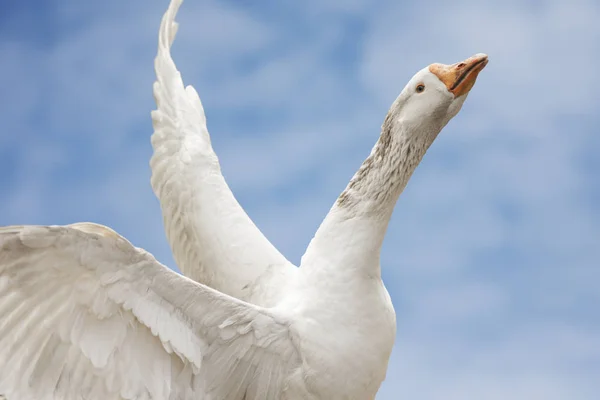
(459, 78)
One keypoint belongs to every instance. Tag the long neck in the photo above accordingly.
(349, 239)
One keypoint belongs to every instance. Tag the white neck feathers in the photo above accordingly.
(351, 235)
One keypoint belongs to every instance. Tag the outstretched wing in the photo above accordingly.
(84, 314)
(213, 240)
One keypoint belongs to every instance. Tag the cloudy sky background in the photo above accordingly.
(493, 255)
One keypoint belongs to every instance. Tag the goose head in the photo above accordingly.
(434, 95)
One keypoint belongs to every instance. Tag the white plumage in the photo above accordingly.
(205, 224)
(86, 315)
(91, 314)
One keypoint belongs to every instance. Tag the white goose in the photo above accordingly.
(84, 314)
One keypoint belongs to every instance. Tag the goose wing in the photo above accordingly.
(213, 240)
(84, 314)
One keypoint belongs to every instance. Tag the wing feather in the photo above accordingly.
(84, 314)
(213, 240)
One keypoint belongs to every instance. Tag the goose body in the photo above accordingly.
(85, 314)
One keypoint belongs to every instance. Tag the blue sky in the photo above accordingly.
(493, 255)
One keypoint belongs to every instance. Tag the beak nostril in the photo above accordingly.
(461, 65)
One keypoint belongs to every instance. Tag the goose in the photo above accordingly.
(86, 314)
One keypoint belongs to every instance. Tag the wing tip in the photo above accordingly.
(168, 25)
(164, 66)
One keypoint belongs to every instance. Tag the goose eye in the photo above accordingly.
(420, 88)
